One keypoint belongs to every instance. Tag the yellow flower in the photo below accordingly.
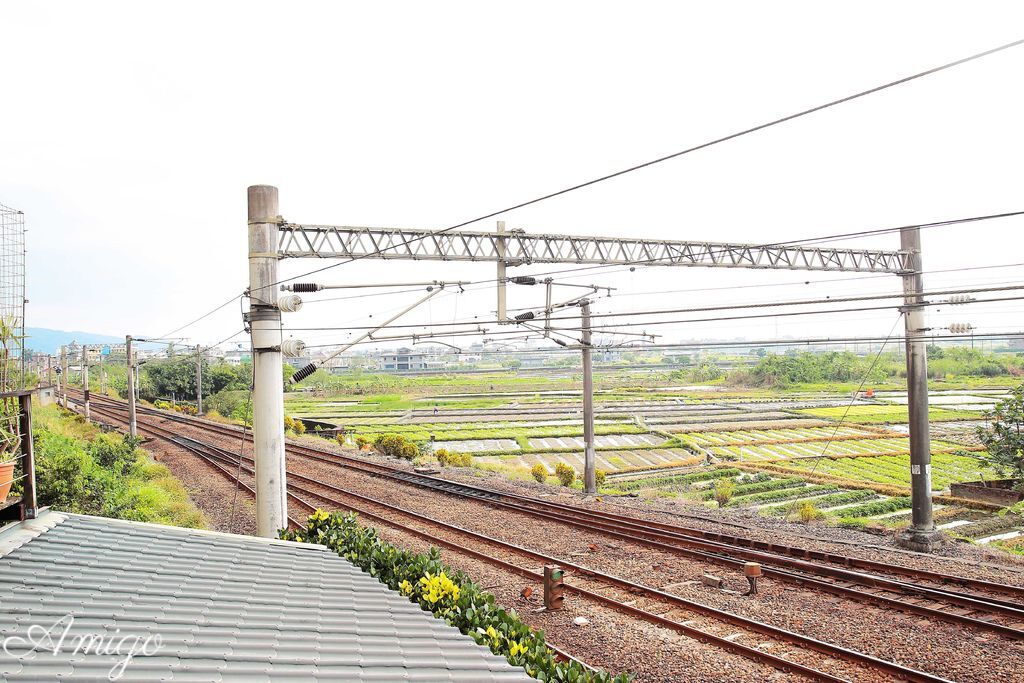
(405, 587)
(516, 649)
(320, 515)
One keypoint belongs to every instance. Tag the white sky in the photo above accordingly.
(129, 132)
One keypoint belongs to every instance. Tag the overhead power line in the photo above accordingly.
(477, 321)
(203, 316)
(689, 150)
(756, 343)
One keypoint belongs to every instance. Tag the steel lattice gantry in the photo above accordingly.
(268, 230)
(519, 248)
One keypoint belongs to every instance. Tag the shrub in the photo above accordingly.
(1004, 437)
(236, 404)
(289, 423)
(360, 440)
(807, 511)
(452, 458)
(723, 491)
(114, 454)
(81, 471)
(539, 472)
(600, 476)
(396, 445)
(446, 593)
(566, 473)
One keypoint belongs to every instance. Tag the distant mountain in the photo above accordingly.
(44, 340)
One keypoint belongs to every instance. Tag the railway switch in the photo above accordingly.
(554, 587)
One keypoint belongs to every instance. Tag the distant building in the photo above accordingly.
(405, 360)
(237, 353)
(532, 360)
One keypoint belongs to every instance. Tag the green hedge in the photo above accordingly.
(446, 593)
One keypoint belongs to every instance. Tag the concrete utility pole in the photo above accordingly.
(67, 378)
(264, 320)
(589, 452)
(921, 535)
(85, 380)
(199, 380)
(133, 427)
(502, 305)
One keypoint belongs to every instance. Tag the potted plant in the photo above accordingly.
(6, 478)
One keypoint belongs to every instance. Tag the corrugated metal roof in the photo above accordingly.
(225, 607)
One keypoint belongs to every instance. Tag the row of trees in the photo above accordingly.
(803, 367)
(176, 378)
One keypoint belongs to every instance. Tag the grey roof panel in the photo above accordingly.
(227, 608)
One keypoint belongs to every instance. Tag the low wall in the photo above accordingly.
(998, 491)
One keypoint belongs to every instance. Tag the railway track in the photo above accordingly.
(587, 582)
(1005, 600)
(823, 571)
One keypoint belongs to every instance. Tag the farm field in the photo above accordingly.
(787, 455)
(883, 413)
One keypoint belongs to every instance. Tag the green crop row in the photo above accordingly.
(784, 494)
(879, 507)
(419, 433)
(831, 500)
(947, 468)
(651, 482)
(989, 526)
(757, 487)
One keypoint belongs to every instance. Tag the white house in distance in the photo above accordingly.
(236, 353)
(405, 360)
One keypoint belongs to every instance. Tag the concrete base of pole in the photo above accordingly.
(919, 540)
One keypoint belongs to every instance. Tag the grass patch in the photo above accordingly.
(79, 469)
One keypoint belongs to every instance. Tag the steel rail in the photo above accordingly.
(728, 539)
(720, 554)
(670, 532)
(782, 663)
(776, 661)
